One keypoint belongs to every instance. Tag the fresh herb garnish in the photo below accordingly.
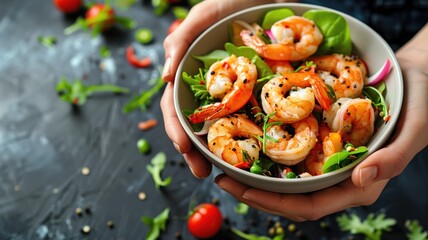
(308, 65)
(249, 236)
(158, 163)
(142, 101)
(197, 85)
(47, 41)
(266, 126)
(242, 208)
(104, 52)
(372, 227)
(77, 93)
(344, 157)
(376, 96)
(261, 165)
(416, 232)
(156, 225)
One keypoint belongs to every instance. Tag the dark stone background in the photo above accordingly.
(44, 144)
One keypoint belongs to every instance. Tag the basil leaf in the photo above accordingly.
(335, 30)
(262, 68)
(343, 158)
(212, 57)
(274, 16)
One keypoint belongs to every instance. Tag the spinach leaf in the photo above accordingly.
(344, 157)
(212, 57)
(375, 95)
(337, 37)
(273, 16)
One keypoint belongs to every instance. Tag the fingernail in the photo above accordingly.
(218, 178)
(166, 72)
(177, 147)
(368, 175)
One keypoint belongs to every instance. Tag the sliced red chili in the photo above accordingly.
(242, 165)
(135, 61)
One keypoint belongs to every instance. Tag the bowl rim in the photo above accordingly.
(190, 133)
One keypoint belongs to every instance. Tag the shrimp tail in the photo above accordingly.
(320, 92)
(207, 113)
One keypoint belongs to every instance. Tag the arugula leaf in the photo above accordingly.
(372, 227)
(197, 85)
(242, 208)
(262, 68)
(157, 224)
(47, 41)
(77, 93)
(344, 157)
(335, 30)
(248, 236)
(376, 96)
(143, 100)
(273, 16)
(158, 164)
(416, 231)
(212, 57)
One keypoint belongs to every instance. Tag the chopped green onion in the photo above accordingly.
(144, 35)
(143, 146)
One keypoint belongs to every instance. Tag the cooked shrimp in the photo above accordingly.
(300, 100)
(233, 139)
(353, 118)
(296, 39)
(290, 149)
(331, 144)
(280, 66)
(232, 80)
(345, 74)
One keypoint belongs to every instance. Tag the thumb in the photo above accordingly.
(385, 163)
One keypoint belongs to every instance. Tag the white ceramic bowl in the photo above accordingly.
(366, 43)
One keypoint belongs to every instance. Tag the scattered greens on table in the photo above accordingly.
(158, 164)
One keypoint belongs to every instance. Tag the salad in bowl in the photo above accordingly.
(288, 97)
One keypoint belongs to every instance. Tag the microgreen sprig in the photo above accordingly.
(77, 93)
(158, 163)
(157, 224)
(308, 65)
(143, 100)
(266, 126)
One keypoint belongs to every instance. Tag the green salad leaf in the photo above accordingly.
(212, 57)
(262, 68)
(157, 224)
(77, 92)
(261, 165)
(416, 232)
(143, 100)
(344, 157)
(158, 163)
(376, 96)
(335, 30)
(275, 15)
(372, 227)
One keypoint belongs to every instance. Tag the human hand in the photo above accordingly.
(175, 45)
(370, 177)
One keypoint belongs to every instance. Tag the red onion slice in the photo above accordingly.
(271, 36)
(381, 74)
(205, 128)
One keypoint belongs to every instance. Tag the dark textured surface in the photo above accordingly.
(44, 144)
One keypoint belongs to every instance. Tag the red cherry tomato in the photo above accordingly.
(68, 6)
(100, 14)
(205, 221)
(174, 25)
